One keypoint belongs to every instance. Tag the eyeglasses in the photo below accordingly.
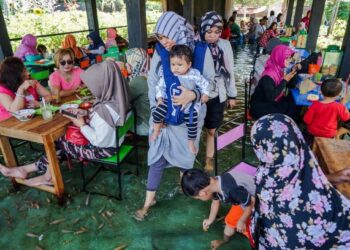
(63, 62)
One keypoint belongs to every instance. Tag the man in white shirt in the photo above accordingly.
(271, 18)
(260, 28)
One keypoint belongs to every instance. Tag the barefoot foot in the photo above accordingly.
(39, 180)
(16, 172)
(215, 244)
(192, 147)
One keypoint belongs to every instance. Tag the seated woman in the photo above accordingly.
(42, 50)
(70, 42)
(17, 91)
(27, 50)
(271, 95)
(66, 80)
(106, 83)
(296, 206)
(139, 62)
(268, 34)
(96, 46)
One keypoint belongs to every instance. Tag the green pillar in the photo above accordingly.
(315, 23)
(5, 44)
(91, 12)
(137, 30)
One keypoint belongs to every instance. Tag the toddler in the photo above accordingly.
(234, 188)
(322, 116)
(180, 66)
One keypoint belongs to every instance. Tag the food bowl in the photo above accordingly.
(312, 97)
(69, 106)
(85, 105)
(24, 114)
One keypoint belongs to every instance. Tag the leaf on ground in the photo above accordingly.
(31, 235)
(55, 222)
(100, 226)
(121, 247)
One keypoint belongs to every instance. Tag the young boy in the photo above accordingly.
(233, 188)
(322, 117)
(180, 66)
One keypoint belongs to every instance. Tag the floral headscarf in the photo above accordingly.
(275, 64)
(209, 20)
(27, 47)
(70, 42)
(297, 206)
(139, 62)
(176, 28)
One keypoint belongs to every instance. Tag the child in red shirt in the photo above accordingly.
(322, 117)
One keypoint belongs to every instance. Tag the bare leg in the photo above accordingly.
(209, 165)
(150, 201)
(44, 179)
(192, 147)
(228, 233)
(156, 131)
(18, 172)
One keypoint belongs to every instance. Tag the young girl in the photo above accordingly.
(66, 80)
(96, 46)
(17, 91)
(224, 87)
(268, 34)
(110, 109)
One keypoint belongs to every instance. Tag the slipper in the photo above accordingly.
(140, 215)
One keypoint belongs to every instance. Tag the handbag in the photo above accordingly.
(74, 136)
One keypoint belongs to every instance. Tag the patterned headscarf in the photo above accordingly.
(107, 84)
(209, 20)
(297, 207)
(275, 64)
(70, 42)
(95, 37)
(27, 47)
(139, 61)
(176, 28)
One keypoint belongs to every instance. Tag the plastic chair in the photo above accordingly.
(114, 162)
(84, 64)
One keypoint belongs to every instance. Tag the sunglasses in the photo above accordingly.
(63, 62)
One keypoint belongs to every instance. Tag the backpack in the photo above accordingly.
(176, 116)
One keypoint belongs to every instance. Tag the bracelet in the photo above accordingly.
(20, 95)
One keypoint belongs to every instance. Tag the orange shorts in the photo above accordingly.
(232, 218)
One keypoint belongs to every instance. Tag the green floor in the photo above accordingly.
(32, 219)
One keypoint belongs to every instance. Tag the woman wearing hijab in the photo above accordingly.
(296, 206)
(138, 61)
(27, 48)
(108, 86)
(224, 87)
(70, 42)
(96, 45)
(113, 39)
(271, 95)
(170, 148)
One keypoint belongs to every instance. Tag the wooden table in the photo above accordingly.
(39, 131)
(333, 155)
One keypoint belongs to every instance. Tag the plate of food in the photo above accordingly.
(24, 114)
(312, 97)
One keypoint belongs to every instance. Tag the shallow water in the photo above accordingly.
(94, 222)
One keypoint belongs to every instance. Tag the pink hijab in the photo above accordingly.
(111, 36)
(275, 64)
(27, 47)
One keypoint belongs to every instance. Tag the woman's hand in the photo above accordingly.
(79, 121)
(241, 226)
(290, 75)
(25, 85)
(231, 103)
(184, 98)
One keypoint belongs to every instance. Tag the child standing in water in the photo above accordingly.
(180, 66)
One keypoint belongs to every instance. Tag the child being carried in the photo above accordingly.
(180, 66)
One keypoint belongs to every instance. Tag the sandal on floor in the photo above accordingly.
(141, 214)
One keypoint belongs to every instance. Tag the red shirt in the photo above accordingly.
(322, 118)
(266, 36)
(226, 33)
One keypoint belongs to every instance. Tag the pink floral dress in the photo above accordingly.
(297, 207)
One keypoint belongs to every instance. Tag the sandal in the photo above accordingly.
(142, 213)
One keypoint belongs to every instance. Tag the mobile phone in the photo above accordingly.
(67, 113)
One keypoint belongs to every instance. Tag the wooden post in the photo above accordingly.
(91, 12)
(315, 23)
(5, 44)
(298, 12)
(137, 29)
(188, 10)
(289, 12)
(345, 66)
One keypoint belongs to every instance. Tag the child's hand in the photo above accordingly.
(231, 103)
(159, 101)
(241, 226)
(206, 224)
(204, 98)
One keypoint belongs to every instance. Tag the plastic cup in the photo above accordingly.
(46, 111)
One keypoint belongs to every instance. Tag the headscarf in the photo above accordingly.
(95, 37)
(139, 61)
(111, 36)
(176, 28)
(107, 84)
(297, 207)
(27, 47)
(70, 42)
(209, 20)
(275, 64)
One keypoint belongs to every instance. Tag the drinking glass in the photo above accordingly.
(46, 111)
